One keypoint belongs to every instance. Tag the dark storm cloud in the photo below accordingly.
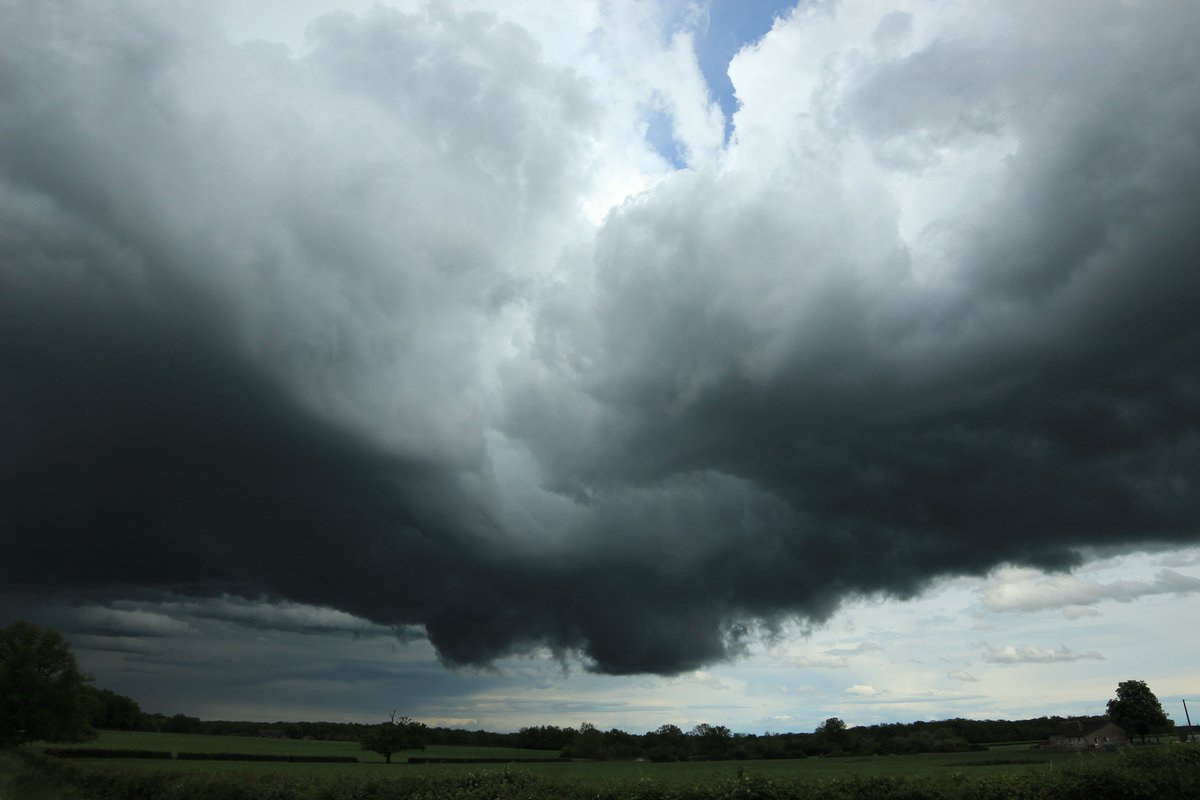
(1034, 400)
(255, 314)
(191, 333)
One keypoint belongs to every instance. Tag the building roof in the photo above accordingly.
(1081, 726)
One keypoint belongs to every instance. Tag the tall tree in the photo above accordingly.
(832, 727)
(714, 741)
(43, 694)
(1136, 708)
(589, 743)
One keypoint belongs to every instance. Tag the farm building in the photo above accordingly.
(1084, 733)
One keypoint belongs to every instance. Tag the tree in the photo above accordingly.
(43, 694)
(669, 732)
(589, 743)
(833, 727)
(714, 741)
(833, 731)
(182, 723)
(1136, 708)
(395, 735)
(667, 743)
(544, 737)
(112, 711)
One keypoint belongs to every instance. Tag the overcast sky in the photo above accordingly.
(626, 362)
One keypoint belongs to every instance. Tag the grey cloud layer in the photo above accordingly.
(1010, 654)
(330, 328)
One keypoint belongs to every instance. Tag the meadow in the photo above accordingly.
(1007, 770)
(1016, 758)
(199, 743)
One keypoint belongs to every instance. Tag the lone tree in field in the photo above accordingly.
(393, 736)
(1137, 709)
(43, 694)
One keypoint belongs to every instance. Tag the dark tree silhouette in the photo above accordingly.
(43, 694)
(1136, 708)
(111, 711)
(394, 736)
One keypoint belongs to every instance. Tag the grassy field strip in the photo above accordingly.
(931, 765)
(1000, 760)
(1157, 773)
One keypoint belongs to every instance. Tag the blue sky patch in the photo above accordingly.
(732, 24)
(660, 136)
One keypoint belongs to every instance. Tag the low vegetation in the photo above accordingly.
(1159, 773)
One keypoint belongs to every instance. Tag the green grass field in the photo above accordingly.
(1169, 772)
(1004, 758)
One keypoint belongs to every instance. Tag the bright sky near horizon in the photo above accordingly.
(624, 362)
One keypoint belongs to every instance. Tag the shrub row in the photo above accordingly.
(279, 757)
(231, 757)
(480, 760)
(103, 752)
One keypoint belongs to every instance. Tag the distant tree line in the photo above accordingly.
(112, 711)
(44, 695)
(666, 743)
(832, 737)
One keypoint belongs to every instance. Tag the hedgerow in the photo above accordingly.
(232, 757)
(103, 752)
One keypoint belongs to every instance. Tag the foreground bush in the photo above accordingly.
(1166, 773)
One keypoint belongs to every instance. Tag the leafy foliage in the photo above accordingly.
(394, 736)
(1136, 708)
(111, 711)
(544, 737)
(43, 694)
